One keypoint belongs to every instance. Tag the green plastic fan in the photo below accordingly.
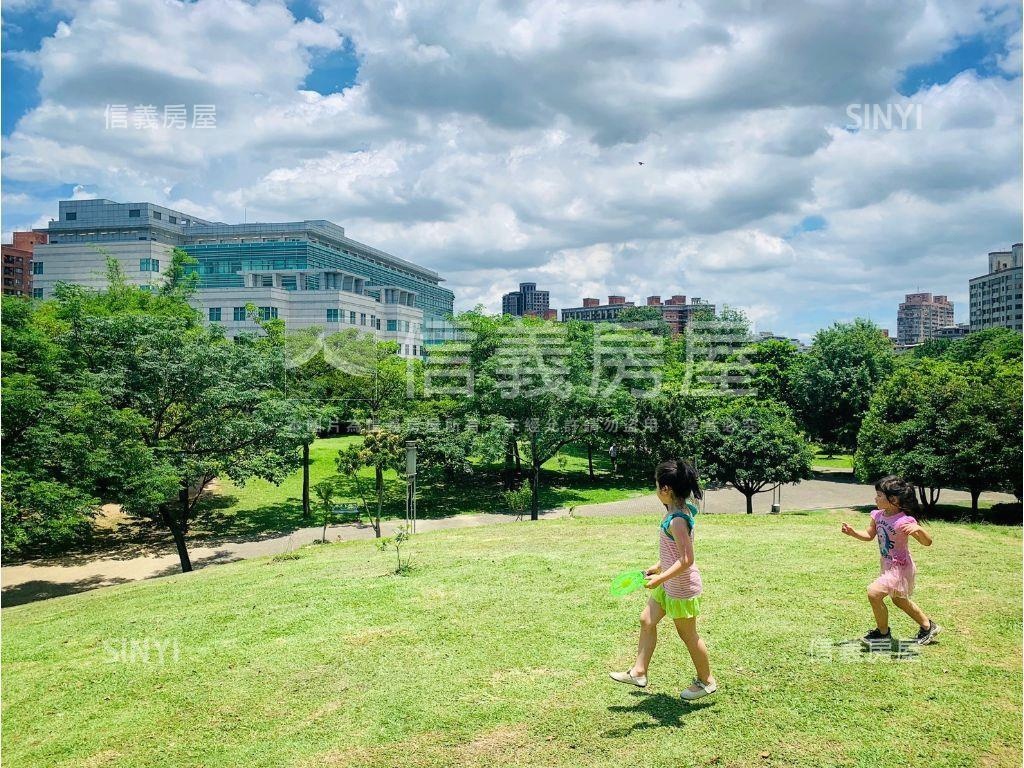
(627, 582)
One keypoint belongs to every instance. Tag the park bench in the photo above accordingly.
(346, 513)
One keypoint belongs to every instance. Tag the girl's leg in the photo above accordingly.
(910, 608)
(687, 629)
(649, 620)
(876, 597)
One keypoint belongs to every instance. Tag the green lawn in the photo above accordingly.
(261, 508)
(494, 651)
(836, 461)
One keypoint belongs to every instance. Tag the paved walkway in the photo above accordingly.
(38, 581)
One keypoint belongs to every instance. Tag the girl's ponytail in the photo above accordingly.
(681, 477)
(902, 493)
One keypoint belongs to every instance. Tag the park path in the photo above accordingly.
(28, 582)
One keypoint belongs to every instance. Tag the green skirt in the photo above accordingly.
(676, 607)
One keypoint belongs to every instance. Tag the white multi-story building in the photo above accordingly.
(997, 298)
(307, 273)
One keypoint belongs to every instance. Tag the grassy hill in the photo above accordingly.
(495, 649)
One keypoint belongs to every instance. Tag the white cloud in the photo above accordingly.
(502, 141)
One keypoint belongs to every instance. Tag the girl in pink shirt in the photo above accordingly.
(674, 581)
(893, 524)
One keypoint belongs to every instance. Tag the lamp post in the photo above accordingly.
(410, 484)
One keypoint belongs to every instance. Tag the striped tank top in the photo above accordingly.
(686, 584)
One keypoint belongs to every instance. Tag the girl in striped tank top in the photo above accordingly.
(675, 581)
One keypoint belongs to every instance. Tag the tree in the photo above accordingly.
(380, 450)
(941, 424)
(542, 378)
(773, 361)
(752, 446)
(648, 318)
(325, 493)
(832, 384)
(133, 400)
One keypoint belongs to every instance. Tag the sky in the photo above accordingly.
(807, 162)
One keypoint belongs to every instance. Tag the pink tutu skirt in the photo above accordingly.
(897, 581)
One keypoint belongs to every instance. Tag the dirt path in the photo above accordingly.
(27, 582)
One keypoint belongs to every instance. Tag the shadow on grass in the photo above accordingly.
(664, 710)
(40, 589)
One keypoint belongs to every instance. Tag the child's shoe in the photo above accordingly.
(874, 639)
(698, 690)
(627, 677)
(927, 634)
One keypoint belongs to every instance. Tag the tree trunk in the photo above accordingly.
(929, 497)
(509, 471)
(380, 499)
(590, 460)
(535, 487)
(519, 462)
(177, 529)
(750, 501)
(974, 500)
(306, 513)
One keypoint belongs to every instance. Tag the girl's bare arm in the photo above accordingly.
(681, 535)
(919, 533)
(867, 535)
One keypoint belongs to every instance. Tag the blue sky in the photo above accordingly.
(498, 143)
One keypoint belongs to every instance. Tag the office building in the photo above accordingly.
(676, 311)
(920, 316)
(526, 301)
(996, 298)
(307, 273)
(17, 260)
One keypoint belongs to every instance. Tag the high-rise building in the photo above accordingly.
(676, 312)
(996, 298)
(526, 301)
(920, 316)
(307, 273)
(17, 258)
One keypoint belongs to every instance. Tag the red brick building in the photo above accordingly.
(17, 261)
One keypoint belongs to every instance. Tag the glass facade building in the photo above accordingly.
(313, 256)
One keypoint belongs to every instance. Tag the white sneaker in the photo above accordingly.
(628, 678)
(698, 690)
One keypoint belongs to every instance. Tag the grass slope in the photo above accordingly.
(494, 651)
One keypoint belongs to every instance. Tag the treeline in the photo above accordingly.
(128, 397)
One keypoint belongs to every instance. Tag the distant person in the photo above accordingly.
(613, 454)
(893, 524)
(675, 581)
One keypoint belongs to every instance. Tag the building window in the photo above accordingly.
(172, 219)
(214, 314)
(268, 281)
(144, 265)
(414, 352)
(157, 215)
(70, 216)
(37, 267)
(405, 326)
(239, 315)
(37, 293)
(134, 213)
(154, 265)
(362, 318)
(268, 313)
(332, 315)
(392, 325)
(352, 318)
(407, 349)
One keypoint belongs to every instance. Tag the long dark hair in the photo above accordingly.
(900, 492)
(681, 477)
